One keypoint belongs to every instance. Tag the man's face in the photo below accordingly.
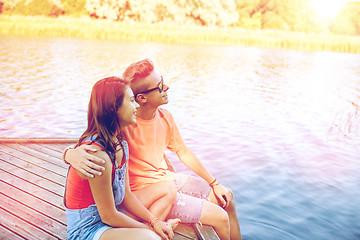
(156, 93)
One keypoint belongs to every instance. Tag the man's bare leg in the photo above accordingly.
(235, 233)
(213, 215)
(158, 198)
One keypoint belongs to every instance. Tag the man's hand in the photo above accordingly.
(223, 195)
(84, 162)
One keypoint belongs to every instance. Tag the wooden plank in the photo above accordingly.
(24, 155)
(37, 180)
(205, 232)
(9, 221)
(37, 224)
(46, 152)
(50, 210)
(32, 189)
(8, 234)
(185, 231)
(56, 160)
(46, 171)
(37, 140)
(44, 149)
(59, 147)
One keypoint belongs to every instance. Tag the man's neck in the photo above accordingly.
(146, 113)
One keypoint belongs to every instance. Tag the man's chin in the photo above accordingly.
(164, 102)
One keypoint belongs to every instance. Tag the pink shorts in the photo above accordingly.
(191, 194)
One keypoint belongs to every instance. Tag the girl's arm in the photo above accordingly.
(101, 188)
(133, 205)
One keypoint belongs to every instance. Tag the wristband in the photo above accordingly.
(64, 154)
(214, 183)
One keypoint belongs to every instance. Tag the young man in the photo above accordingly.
(197, 200)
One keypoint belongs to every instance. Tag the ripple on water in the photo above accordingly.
(280, 128)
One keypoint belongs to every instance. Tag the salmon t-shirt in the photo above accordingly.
(148, 140)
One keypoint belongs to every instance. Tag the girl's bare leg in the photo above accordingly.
(129, 233)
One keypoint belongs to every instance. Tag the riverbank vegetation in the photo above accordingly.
(288, 24)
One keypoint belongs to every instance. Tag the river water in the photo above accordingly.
(281, 128)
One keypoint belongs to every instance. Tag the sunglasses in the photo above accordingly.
(160, 87)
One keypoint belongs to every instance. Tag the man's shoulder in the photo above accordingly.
(163, 112)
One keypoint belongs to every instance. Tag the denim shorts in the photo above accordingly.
(191, 194)
(85, 223)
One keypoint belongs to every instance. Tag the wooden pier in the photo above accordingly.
(32, 181)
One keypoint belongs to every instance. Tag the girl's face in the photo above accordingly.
(126, 112)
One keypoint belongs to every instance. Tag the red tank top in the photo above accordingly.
(78, 192)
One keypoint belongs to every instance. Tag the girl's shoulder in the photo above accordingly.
(98, 145)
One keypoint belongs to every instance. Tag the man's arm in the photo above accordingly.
(83, 161)
(192, 162)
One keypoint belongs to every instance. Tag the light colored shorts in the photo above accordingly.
(191, 194)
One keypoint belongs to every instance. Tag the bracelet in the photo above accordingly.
(214, 183)
(64, 154)
(154, 221)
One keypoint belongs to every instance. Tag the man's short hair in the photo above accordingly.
(138, 71)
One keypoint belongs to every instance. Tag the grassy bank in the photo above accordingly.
(102, 29)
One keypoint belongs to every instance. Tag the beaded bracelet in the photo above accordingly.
(64, 154)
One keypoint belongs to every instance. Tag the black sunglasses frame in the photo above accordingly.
(160, 87)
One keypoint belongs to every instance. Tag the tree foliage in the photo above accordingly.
(292, 15)
(202, 12)
(347, 21)
(38, 7)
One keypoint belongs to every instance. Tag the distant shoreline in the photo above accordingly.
(87, 28)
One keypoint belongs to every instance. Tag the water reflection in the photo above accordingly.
(281, 128)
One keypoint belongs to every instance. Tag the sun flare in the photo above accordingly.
(328, 9)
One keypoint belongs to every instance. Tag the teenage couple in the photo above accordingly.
(119, 185)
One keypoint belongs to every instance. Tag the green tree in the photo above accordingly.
(347, 21)
(210, 12)
(50, 8)
(275, 14)
(74, 7)
(7, 6)
(250, 13)
(203, 12)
